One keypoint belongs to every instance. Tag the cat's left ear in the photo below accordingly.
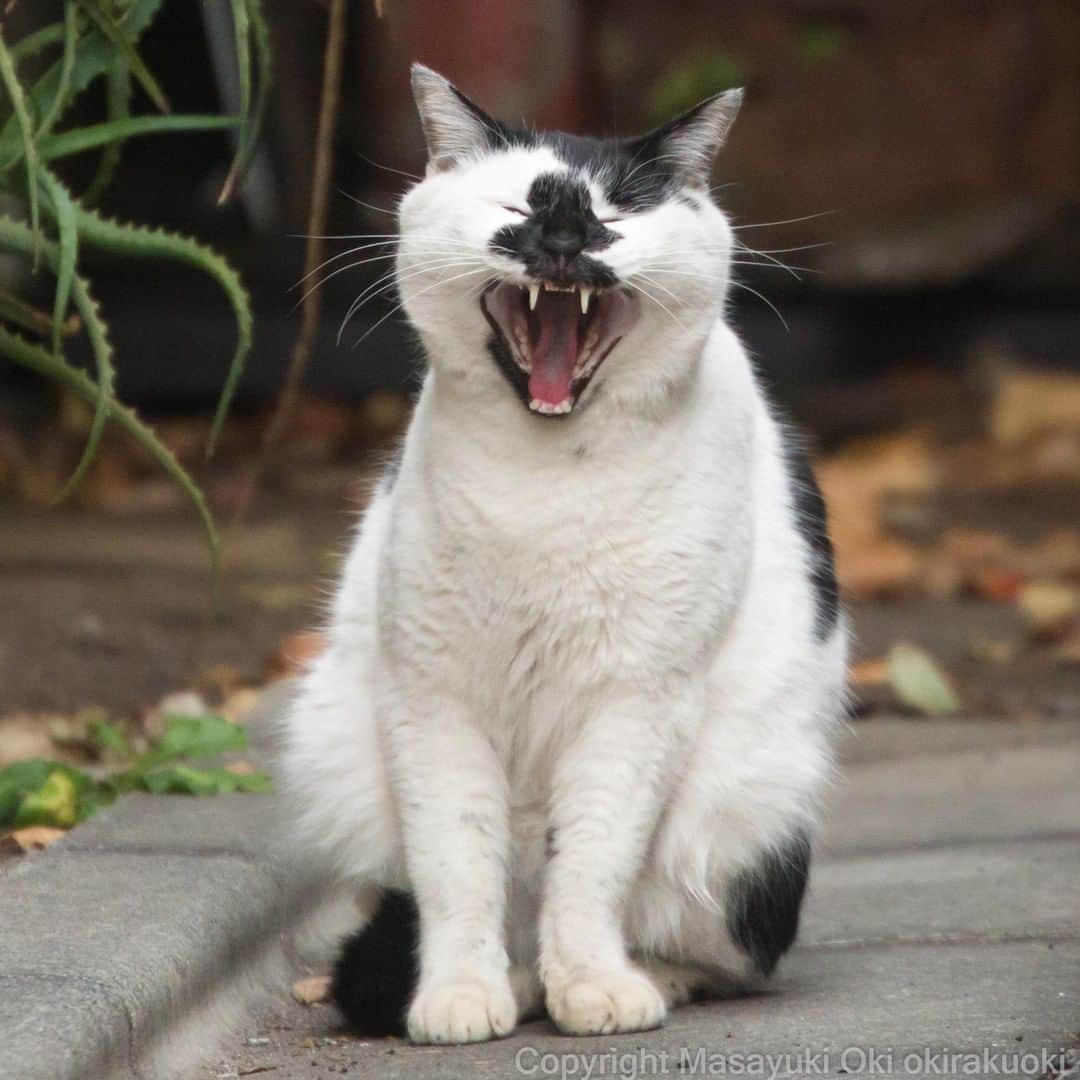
(454, 128)
(688, 145)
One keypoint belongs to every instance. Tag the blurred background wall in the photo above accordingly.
(915, 167)
(923, 158)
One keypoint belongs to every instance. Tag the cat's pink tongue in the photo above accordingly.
(555, 352)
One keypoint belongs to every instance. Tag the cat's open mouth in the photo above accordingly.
(558, 336)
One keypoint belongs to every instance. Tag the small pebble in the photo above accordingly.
(258, 1040)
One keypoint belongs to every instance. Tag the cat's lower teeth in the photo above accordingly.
(548, 409)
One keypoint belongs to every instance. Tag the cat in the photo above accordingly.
(569, 732)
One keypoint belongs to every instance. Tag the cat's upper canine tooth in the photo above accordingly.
(586, 296)
(534, 294)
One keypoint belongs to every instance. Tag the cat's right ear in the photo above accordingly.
(454, 128)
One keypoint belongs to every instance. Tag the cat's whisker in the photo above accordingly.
(645, 275)
(769, 259)
(333, 274)
(397, 307)
(765, 300)
(367, 205)
(659, 303)
(368, 247)
(784, 221)
(391, 280)
(343, 255)
(344, 236)
(388, 168)
(352, 266)
(782, 251)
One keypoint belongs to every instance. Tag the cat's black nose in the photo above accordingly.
(564, 242)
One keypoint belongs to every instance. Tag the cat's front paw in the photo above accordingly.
(462, 1010)
(602, 1002)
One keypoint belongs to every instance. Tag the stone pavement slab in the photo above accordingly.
(831, 1009)
(943, 919)
(944, 912)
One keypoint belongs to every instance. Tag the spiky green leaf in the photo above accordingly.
(68, 250)
(117, 107)
(104, 21)
(94, 136)
(37, 42)
(67, 69)
(96, 53)
(14, 90)
(16, 236)
(254, 117)
(136, 241)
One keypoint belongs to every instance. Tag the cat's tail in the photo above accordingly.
(376, 974)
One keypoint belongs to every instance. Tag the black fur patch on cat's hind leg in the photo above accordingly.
(763, 902)
(377, 972)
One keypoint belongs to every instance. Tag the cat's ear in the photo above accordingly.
(454, 128)
(688, 145)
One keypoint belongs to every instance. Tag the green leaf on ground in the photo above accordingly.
(193, 736)
(15, 781)
(55, 802)
(107, 736)
(919, 682)
(40, 792)
(185, 780)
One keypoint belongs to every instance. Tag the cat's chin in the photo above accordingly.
(553, 338)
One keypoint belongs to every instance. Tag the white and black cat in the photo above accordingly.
(574, 715)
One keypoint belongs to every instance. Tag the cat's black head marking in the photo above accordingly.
(635, 173)
(556, 241)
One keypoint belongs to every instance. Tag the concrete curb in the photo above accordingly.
(135, 941)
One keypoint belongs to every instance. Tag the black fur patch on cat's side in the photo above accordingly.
(763, 902)
(377, 971)
(811, 519)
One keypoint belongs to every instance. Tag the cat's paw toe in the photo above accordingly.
(462, 1010)
(600, 1003)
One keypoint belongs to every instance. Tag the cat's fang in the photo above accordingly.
(586, 296)
(534, 295)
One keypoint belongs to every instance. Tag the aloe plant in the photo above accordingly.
(98, 40)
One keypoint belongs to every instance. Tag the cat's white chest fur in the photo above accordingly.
(557, 560)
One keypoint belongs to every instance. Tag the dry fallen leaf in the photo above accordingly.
(183, 703)
(1049, 607)
(240, 768)
(238, 705)
(24, 735)
(295, 654)
(314, 990)
(36, 837)
(919, 682)
(870, 672)
(902, 463)
(1028, 403)
(871, 562)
